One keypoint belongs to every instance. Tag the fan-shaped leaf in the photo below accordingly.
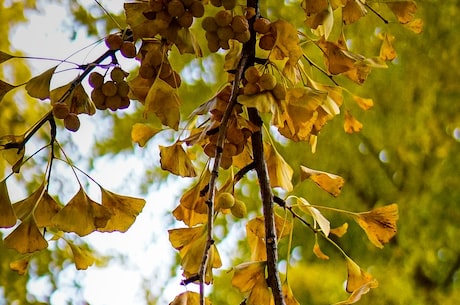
(39, 86)
(7, 216)
(26, 238)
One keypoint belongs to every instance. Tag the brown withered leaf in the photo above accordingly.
(329, 182)
(175, 160)
(123, 210)
(351, 124)
(379, 223)
(39, 86)
(26, 238)
(81, 215)
(403, 10)
(357, 277)
(141, 26)
(353, 11)
(7, 216)
(163, 101)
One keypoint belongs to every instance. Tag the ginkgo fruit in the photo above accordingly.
(117, 74)
(60, 110)
(209, 24)
(72, 122)
(267, 42)
(186, 20)
(95, 80)
(267, 81)
(128, 49)
(239, 24)
(262, 25)
(109, 88)
(98, 99)
(197, 9)
(223, 18)
(243, 36)
(225, 33)
(252, 74)
(229, 4)
(176, 8)
(225, 200)
(156, 5)
(239, 209)
(114, 41)
(279, 92)
(216, 3)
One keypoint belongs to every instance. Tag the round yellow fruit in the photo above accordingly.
(225, 200)
(239, 209)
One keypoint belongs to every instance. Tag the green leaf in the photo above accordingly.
(39, 86)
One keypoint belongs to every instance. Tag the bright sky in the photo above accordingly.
(149, 254)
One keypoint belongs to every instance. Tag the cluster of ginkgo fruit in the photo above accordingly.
(110, 94)
(268, 38)
(256, 83)
(155, 63)
(226, 200)
(169, 16)
(62, 111)
(116, 42)
(238, 130)
(222, 27)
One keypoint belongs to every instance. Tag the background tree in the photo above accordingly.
(379, 167)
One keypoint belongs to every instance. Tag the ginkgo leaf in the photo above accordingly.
(123, 210)
(387, 51)
(340, 231)
(329, 182)
(189, 298)
(255, 232)
(45, 210)
(12, 150)
(186, 42)
(357, 277)
(415, 25)
(353, 11)
(175, 160)
(351, 124)
(191, 243)
(139, 88)
(81, 215)
(355, 296)
(287, 42)
(232, 58)
(141, 26)
(26, 238)
(5, 56)
(163, 101)
(142, 133)
(82, 257)
(279, 171)
(20, 265)
(379, 223)
(322, 221)
(39, 86)
(7, 216)
(75, 97)
(262, 102)
(317, 251)
(250, 277)
(24, 208)
(403, 10)
(288, 295)
(324, 22)
(364, 103)
(4, 89)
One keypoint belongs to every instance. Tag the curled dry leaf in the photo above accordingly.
(379, 224)
(317, 251)
(351, 124)
(340, 231)
(355, 296)
(329, 182)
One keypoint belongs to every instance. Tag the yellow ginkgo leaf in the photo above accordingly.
(322, 221)
(139, 88)
(82, 257)
(287, 42)
(387, 52)
(351, 124)
(141, 26)
(353, 11)
(189, 298)
(81, 215)
(190, 217)
(24, 208)
(20, 265)
(175, 160)
(262, 102)
(379, 223)
(355, 296)
(329, 182)
(39, 86)
(279, 171)
(4, 89)
(403, 10)
(12, 150)
(45, 210)
(26, 238)
(7, 216)
(357, 277)
(340, 231)
(123, 210)
(364, 103)
(247, 275)
(288, 295)
(317, 251)
(415, 25)
(163, 101)
(141, 133)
